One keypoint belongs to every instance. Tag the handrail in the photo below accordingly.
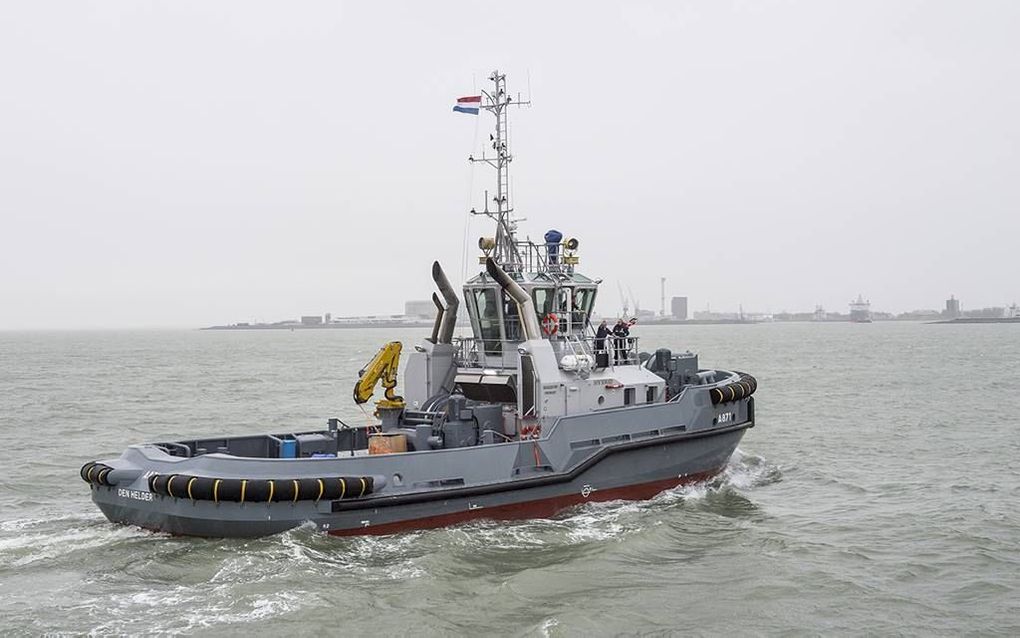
(535, 258)
(486, 353)
(502, 354)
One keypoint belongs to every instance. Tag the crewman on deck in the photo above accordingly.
(601, 352)
(620, 333)
(600, 336)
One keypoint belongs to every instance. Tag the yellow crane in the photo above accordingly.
(382, 367)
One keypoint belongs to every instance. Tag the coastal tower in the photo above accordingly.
(952, 310)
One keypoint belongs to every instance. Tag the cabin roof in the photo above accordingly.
(535, 278)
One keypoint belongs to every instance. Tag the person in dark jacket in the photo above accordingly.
(600, 336)
(620, 333)
(601, 352)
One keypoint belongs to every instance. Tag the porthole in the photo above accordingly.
(602, 399)
(398, 480)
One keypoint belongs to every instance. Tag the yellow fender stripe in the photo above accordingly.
(322, 488)
(272, 490)
(297, 488)
(102, 477)
(363, 486)
(216, 490)
(244, 486)
(190, 483)
(90, 473)
(169, 485)
(343, 487)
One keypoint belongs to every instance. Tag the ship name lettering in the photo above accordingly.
(137, 495)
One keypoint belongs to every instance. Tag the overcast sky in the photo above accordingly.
(191, 163)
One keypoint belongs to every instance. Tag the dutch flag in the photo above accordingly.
(468, 104)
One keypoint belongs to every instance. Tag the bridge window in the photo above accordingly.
(584, 300)
(488, 320)
(543, 301)
(513, 319)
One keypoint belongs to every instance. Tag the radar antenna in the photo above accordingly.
(496, 101)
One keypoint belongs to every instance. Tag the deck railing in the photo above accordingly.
(502, 354)
(543, 258)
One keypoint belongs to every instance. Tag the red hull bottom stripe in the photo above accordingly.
(543, 508)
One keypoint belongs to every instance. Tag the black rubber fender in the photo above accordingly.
(96, 473)
(202, 488)
(742, 388)
(84, 471)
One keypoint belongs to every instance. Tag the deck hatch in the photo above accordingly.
(492, 388)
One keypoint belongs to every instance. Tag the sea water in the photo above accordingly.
(878, 494)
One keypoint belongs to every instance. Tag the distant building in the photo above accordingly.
(679, 308)
(708, 315)
(417, 308)
(919, 315)
(995, 312)
(311, 320)
(952, 310)
(329, 318)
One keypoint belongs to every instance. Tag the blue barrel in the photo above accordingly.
(288, 449)
(552, 242)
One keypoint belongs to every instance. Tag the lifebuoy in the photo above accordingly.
(550, 324)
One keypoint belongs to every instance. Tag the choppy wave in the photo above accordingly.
(129, 579)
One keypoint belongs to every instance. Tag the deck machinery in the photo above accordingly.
(530, 414)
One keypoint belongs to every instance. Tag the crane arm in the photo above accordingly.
(382, 368)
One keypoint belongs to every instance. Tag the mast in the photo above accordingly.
(496, 101)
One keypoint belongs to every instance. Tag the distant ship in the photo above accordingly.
(860, 310)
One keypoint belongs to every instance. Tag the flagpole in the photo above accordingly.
(496, 102)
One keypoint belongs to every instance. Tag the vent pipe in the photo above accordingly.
(525, 307)
(449, 322)
(440, 311)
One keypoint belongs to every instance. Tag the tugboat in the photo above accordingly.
(533, 413)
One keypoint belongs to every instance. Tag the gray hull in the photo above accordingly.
(635, 469)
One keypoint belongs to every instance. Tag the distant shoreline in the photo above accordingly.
(331, 326)
(978, 320)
